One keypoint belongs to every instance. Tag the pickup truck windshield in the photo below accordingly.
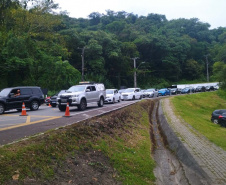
(78, 88)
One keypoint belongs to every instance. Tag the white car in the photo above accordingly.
(132, 94)
(112, 95)
(151, 93)
(120, 92)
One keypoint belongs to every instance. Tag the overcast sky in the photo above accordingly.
(210, 11)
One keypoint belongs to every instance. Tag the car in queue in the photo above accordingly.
(222, 120)
(82, 94)
(143, 92)
(14, 97)
(188, 90)
(151, 93)
(112, 96)
(53, 99)
(215, 115)
(120, 92)
(164, 92)
(132, 94)
(200, 89)
(175, 91)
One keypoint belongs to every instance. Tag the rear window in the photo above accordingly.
(25, 91)
(36, 91)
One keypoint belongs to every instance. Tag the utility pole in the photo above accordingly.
(135, 71)
(82, 55)
(207, 68)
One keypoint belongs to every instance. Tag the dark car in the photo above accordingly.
(32, 97)
(200, 89)
(53, 99)
(222, 120)
(215, 115)
(175, 91)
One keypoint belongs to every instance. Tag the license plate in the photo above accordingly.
(64, 100)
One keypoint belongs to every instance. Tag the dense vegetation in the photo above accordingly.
(40, 47)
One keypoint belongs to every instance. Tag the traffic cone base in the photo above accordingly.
(23, 113)
(67, 112)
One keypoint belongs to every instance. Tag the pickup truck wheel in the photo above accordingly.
(113, 101)
(140, 97)
(133, 98)
(2, 108)
(82, 105)
(62, 107)
(101, 102)
(34, 105)
(119, 99)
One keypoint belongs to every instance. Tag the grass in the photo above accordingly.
(196, 110)
(123, 136)
(130, 154)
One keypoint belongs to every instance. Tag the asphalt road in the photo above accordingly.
(14, 127)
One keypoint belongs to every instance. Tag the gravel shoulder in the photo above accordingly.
(209, 157)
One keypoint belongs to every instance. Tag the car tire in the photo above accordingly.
(53, 105)
(82, 106)
(133, 98)
(62, 107)
(113, 100)
(119, 99)
(34, 105)
(215, 121)
(101, 102)
(140, 97)
(2, 108)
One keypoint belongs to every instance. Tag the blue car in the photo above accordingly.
(187, 90)
(164, 92)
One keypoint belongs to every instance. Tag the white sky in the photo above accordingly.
(210, 11)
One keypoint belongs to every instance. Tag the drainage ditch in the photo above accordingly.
(172, 167)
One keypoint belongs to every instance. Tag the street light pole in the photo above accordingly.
(135, 72)
(207, 68)
(82, 55)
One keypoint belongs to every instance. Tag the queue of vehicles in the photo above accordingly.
(89, 92)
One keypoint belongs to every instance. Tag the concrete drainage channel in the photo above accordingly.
(174, 163)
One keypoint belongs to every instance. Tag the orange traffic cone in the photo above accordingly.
(23, 113)
(67, 112)
(50, 105)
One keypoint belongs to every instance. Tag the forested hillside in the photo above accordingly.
(40, 47)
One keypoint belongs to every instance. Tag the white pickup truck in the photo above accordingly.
(81, 95)
(132, 94)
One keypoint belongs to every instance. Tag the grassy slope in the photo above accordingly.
(196, 110)
(123, 136)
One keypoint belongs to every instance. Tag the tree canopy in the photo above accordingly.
(41, 47)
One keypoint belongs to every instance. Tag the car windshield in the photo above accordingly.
(122, 90)
(109, 92)
(173, 89)
(150, 90)
(78, 88)
(129, 90)
(5, 92)
(162, 89)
